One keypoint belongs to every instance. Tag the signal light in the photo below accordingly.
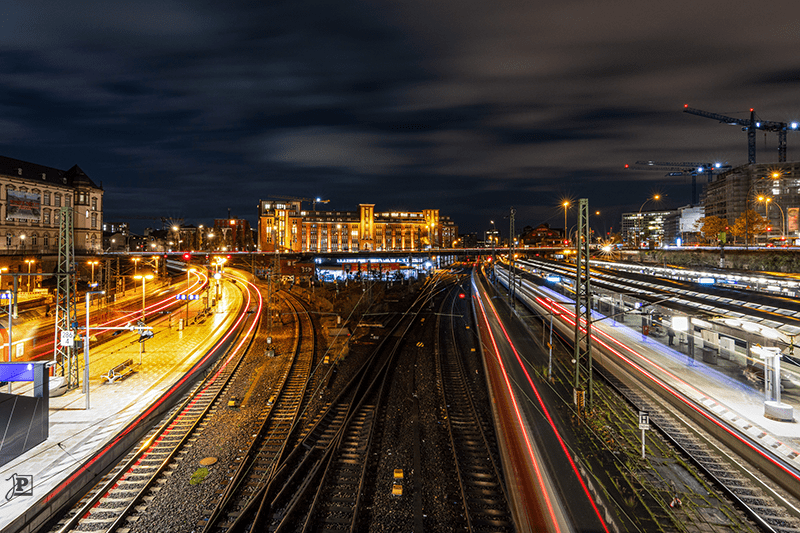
(187, 256)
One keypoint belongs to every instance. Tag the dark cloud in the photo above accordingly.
(189, 108)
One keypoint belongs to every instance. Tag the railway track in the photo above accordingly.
(319, 486)
(281, 417)
(743, 486)
(483, 494)
(110, 503)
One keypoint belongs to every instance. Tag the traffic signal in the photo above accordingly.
(187, 257)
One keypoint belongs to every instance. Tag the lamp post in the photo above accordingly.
(9, 295)
(22, 242)
(136, 265)
(144, 279)
(177, 231)
(86, 347)
(2, 269)
(566, 235)
(30, 262)
(767, 200)
(188, 276)
(783, 222)
(655, 198)
(93, 264)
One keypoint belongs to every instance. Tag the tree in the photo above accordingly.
(748, 225)
(711, 227)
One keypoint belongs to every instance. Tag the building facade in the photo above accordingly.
(644, 229)
(542, 235)
(770, 189)
(32, 198)
(285, 226)
(682, 225)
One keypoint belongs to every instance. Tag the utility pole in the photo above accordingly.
(512, 276)
(583, 304)
(66, 314)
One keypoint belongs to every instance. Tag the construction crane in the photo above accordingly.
(314, 201)
(683, 168)
(750, 126)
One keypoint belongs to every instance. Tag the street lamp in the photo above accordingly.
(144, 279)
(86, 337)
(767, 200)
(22, 241)
(136, 264)
(2, 269)
(30, 262)
(566, 206)
(93, 264)
(188, 276)
(655, 198)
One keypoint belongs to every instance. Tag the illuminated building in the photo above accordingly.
(285, 225)
(31, 199)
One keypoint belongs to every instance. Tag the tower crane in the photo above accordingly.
(314, 201)
(750, 126)
(683, 168)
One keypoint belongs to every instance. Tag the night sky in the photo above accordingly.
(187, 109)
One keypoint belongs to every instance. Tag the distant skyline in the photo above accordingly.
(187, 109)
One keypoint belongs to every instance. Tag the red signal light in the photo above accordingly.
(187, 256)
(461, 295)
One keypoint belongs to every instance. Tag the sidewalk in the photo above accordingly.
(76, 433)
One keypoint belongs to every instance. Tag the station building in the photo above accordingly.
(285, 226)
(31, 199)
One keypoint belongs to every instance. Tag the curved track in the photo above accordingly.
(319, 487)
(280, 418)
(110, 503)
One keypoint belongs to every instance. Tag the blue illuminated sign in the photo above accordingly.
(16, 371)
(185, 297)
(706, 281)
(553, 278)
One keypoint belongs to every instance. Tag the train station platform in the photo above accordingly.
(77, 434)
(718, 392)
